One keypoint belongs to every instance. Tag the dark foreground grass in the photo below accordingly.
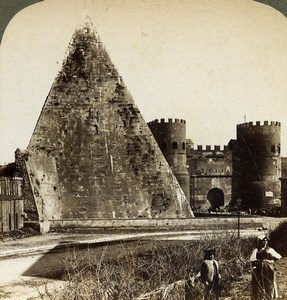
(141, 268)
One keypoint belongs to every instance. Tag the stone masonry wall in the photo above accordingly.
(257, 165)
(107, 163)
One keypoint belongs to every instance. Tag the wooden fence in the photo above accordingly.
(11, 203)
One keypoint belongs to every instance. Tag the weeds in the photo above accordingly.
(138, 269)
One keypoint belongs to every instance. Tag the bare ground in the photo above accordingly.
(241, 288)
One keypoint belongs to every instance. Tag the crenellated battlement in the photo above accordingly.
(259, 124)
(167, 121)
(207, 148)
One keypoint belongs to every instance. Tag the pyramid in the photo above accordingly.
(91, 155)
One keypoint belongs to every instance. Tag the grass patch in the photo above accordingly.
(140, 268)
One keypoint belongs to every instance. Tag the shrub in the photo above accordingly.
(278, 238)
(143, 267)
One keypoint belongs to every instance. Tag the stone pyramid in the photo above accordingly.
(91, 155)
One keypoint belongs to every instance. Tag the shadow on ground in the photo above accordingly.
(67, 255)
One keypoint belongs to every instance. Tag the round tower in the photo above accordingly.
(257, 165)
(171, 138)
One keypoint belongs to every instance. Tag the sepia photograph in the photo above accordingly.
(143, 149)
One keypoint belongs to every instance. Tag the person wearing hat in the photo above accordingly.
(210, 276)
(263, 282)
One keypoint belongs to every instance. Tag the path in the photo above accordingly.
(31, 265)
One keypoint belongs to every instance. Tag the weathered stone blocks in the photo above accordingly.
(93, 144)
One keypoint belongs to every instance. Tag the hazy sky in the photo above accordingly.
(212, 63)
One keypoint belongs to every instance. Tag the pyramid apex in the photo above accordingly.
(86, 26)
(86, 23)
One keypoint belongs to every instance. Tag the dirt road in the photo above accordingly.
(29, 276)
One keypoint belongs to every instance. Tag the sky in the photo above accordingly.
(215, 64)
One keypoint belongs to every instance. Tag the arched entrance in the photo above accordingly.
(216, 198)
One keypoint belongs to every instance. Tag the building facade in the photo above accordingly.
(210, 170)
(247, 171)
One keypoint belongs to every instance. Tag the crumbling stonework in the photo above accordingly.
(91, 154)
(21, 156)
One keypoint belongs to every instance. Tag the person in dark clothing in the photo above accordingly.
(210, 275)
